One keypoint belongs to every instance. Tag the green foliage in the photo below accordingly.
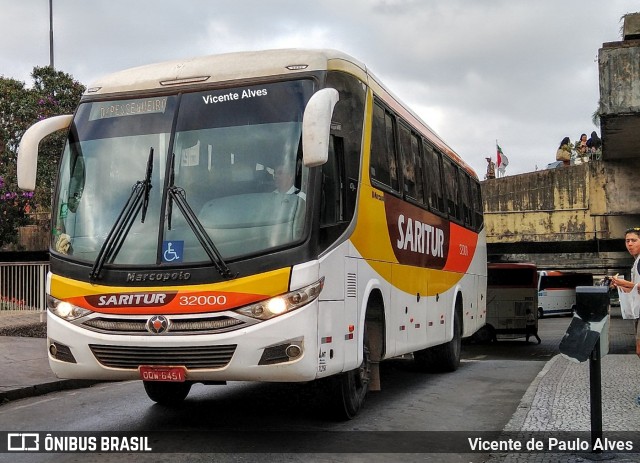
(53, 93)
(13, 212)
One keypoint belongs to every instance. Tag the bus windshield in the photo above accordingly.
(505, 275)
(232, 156)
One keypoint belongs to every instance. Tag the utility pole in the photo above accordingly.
(51, 34)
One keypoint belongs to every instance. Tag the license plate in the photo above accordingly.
(153, 373)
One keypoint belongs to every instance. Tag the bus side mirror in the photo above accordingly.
(316, 125)
(28, 148)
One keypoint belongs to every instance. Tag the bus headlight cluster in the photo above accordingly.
(65, 310)
(284, 303)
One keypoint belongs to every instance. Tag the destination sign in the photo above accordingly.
(125, 108)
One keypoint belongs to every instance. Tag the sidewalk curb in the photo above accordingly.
(520, 415)
(46, 388)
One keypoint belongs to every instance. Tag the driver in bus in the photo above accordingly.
(283, 177)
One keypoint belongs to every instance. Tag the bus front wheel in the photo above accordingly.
(167, 393)
(351, 387)
(540, 312)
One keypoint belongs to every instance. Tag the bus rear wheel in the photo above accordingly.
(167, 393)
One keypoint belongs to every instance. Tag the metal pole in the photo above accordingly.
(595, 384)
(51, 34)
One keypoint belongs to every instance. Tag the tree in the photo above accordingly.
(53, 93)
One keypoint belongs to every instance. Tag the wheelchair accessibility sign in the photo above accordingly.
(172, 251)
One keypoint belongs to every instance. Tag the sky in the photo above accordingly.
(520, 73)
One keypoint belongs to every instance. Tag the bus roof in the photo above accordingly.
(249, 65)
(217, 68)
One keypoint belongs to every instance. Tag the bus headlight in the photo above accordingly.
(284, 303)
(65, 310)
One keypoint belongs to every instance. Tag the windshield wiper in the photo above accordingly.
(146, 185)
(138, 200)
(178, 195)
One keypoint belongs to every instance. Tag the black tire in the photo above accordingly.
(485, 335)
(167, 393)
(350, 388)
(540, 313)
(445, 357)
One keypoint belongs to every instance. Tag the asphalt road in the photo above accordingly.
(231, 420)
(550, 329)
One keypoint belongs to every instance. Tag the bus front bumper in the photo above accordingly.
(283, 349)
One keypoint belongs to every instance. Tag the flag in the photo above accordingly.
(503, 161)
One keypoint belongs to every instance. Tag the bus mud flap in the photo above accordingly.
(376, 342)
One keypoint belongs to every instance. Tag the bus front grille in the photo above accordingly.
(177, 325)
(193, 358)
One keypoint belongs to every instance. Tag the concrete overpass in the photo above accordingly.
(574, 217)
(570, 218)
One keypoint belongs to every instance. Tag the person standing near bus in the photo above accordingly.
(530, 326)
(629, 291)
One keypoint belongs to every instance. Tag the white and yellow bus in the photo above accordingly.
(267, 216)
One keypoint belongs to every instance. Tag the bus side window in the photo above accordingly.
(332, 199)
(452, 189)
(411, 164)
(476, 194)
(347, 125)
(434, 179)
(419, 168)
(465, 198)
(383, 168)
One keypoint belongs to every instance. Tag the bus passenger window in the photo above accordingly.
(411, 164)
(476, 195)
(417, 162)
(465, 198)
(383, 167)
(434, 179)
(452, 189)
